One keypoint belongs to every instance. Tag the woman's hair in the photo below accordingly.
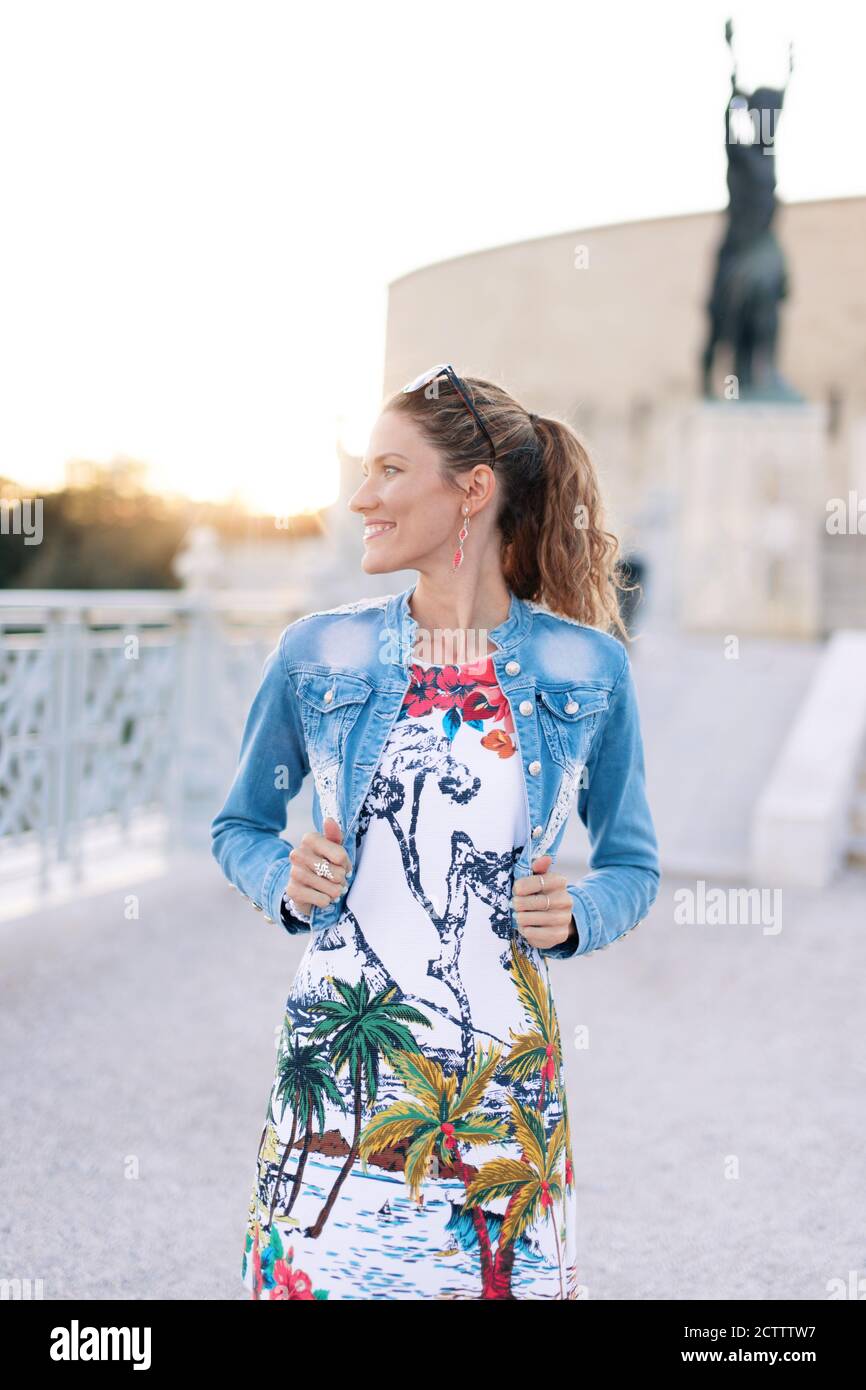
(554, 546)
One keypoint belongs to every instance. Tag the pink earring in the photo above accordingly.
(463, 533)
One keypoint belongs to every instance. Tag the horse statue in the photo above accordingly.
(751, 278)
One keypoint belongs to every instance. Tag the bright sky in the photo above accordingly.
(204, 202)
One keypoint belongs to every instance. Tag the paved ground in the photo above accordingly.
(138, 1057)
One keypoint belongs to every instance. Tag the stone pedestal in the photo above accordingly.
(752, 518)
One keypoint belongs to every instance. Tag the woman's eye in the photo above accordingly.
(386, 468)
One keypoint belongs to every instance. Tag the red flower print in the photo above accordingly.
(291, 1283)
(478, 704)
(451, 685)
(421, 695)
(472, 690)
(488, 702)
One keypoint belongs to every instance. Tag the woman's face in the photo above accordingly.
(403, 489)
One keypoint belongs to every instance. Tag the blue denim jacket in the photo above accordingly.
(330, 693)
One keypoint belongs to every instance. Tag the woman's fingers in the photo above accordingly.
(305, 886)
(556, 918)
(548, 927)
(550, 934)
(530, 896)
(317, 847)
(543, 914)
(542, 905)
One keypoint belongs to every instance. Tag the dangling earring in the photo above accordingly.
(463, 533)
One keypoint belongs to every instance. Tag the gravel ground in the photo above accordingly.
(718, 1111)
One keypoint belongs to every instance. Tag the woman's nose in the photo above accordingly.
(361, 500)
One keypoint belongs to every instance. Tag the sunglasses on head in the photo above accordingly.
(445, 369)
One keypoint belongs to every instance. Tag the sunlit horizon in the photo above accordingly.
(206, 207)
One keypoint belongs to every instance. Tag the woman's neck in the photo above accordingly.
(453, 624)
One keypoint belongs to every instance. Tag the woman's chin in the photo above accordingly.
(371, 563)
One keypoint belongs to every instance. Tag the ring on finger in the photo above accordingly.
(322, 868)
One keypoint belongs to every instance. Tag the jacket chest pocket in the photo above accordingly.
(569, 717)
(330, 704)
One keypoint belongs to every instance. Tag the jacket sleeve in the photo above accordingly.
(246, 835)
(623, 879)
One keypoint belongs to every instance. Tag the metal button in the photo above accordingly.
(512, 668)
(329, 695)
(525, 706)
(572, 707)
(268, 919)
(537, 831)
(535, 768)
(257, 908)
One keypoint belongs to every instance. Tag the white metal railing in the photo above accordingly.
(122, 705)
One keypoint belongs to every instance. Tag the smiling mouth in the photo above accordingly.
(378, 528)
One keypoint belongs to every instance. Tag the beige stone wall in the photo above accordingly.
(630, 326)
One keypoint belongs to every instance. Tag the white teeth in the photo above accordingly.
(376, 529)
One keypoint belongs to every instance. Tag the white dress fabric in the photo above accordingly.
(416, 1143)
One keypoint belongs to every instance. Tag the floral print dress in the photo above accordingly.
(416, 1142)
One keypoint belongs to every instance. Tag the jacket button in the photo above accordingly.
(526, 707)
(512, 668)
(257, 908)
(268, 919)
(329, 695)
(572, 707)
(535, 768)
(537, 831)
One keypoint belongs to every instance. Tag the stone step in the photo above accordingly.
(843, 561)
(803, 824)
(857, 844)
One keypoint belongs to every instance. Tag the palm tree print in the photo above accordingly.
(531, 1185)
(360, 1029)
(537, 1053)
(304, 1081)
(437, 1121)
(441, 1117)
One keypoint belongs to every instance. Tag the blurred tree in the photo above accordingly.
(104, 530)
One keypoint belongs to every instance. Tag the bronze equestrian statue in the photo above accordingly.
(751, 277)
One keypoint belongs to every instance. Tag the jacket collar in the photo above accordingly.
(403, 627)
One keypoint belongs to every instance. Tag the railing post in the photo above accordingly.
(197, 783)
(63, 753)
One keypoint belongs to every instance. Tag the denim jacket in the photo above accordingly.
(332, 689)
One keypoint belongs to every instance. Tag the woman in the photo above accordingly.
(417, 1141)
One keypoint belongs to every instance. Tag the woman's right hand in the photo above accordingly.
(305, 887)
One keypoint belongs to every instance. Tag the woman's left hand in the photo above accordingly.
(543, 905)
